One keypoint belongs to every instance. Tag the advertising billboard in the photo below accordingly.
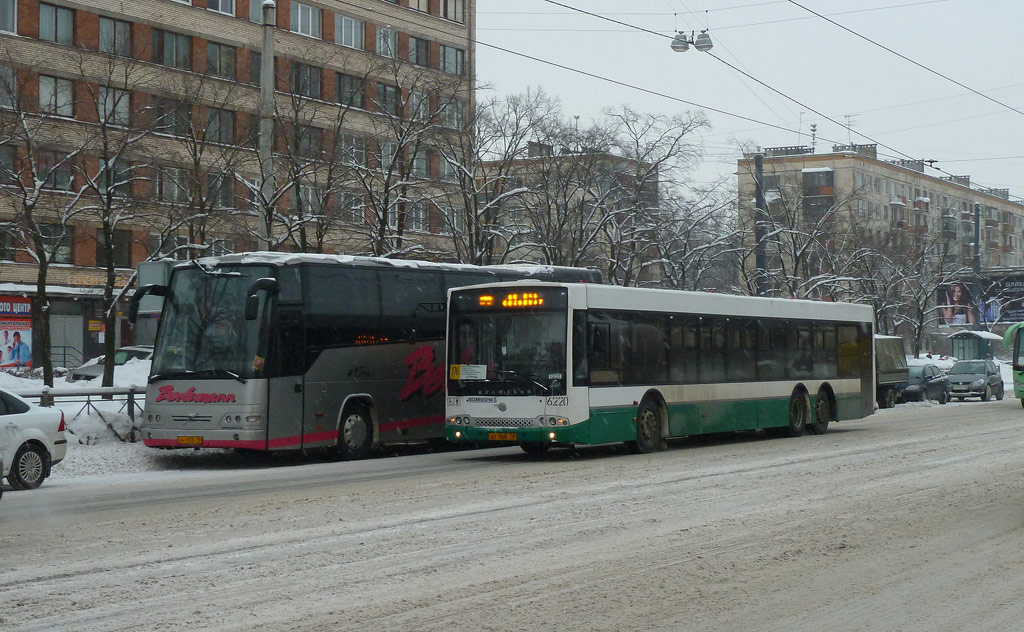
(15, 332)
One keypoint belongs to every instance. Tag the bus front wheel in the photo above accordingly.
(648, 428)
(355, 433)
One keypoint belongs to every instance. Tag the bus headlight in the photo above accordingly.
(253, 419)
(458, 434)
(551, 436)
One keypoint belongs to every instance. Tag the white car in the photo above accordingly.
(31, 441)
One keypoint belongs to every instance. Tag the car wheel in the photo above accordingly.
(987, 394)
(942, 397)
(999, 397)
(355, 433)
(29, 468)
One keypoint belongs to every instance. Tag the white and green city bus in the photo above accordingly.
(1014, 338)
(279, 352)
(554, 364)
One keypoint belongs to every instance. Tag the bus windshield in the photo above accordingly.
(203, 330)
(508, 354)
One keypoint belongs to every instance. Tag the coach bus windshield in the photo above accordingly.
(495, 352)
(203, 330)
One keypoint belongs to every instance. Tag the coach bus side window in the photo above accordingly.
(411, 299)
(343, 306)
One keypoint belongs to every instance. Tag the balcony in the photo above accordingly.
(993, 245)
(1007, 228)
(920, 229)
(1007, 249)
(991, 223)
(967, 216)
(897, 200)
(921, 204)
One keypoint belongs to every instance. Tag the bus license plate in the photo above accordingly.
(190, 440)
(501, 436)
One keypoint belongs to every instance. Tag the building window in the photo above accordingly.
(172, 117)
(115, 37)
(452, 115)
(388, 151)
(8, 87)
(305, 20)
(387, 99)
(419, 166)
(418, 219)
(353, 150)
(419, 106)
(306, 80)
(255, 67)
(8, 16)
(115, 177)
(454, 10)
(349, 31)
(221, 6)
(56, 24)
(452, 60)
(454, 222)
(7, 174)
(352, 207)
(220, 126)
(349, 91)
(306, 200)
(220, 60)
(256, 11)
(57, 241)
(115, 106)
(56, 96)
(309, 141)
(172, 185)
(171, 49)
(449, 171)
(419, 51)
(122, 254)
(420, 5)
(220, 190)
(387, 42)
(7, 248)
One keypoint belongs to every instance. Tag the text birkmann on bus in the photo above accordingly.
(272, 351)
(557, 365)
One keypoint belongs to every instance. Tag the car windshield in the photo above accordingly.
(963, 368)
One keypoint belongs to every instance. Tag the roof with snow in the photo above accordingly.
(987, 335)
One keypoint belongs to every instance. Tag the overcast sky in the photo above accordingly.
(889, 100)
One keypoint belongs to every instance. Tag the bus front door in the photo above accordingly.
(286, 396)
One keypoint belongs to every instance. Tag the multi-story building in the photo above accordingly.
(158, 101)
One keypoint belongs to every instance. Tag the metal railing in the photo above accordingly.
(89, 397)
(66, 356)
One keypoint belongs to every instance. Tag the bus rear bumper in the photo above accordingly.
(221, 438)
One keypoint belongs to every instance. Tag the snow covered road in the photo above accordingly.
(910, 520)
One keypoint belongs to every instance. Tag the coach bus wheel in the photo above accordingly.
(535, 449)
(799, 411)
(822, 413)
(648, 428)
(355, 433)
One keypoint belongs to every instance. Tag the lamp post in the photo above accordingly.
(265, 148)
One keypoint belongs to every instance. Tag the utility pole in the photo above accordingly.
(266, 140)
(976, 285)
(760, 260)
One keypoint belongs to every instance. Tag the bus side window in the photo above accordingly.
(650, 349)
(847, 351)
(742, 354)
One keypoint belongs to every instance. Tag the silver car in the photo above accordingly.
(94, 367)
(32, 441)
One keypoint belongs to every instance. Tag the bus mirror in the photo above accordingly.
(142, 292)
(252, 307)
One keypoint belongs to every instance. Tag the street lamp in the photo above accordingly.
(681, 43)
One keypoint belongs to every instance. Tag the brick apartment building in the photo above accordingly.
(352, 77)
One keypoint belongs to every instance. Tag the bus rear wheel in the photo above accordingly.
(648, 428)
(355, 433)
(799, 413)
(822, 413)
